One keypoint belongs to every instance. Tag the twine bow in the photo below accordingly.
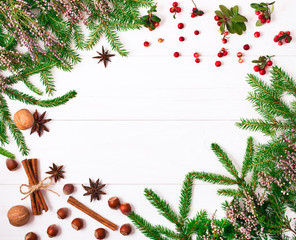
(42, 185)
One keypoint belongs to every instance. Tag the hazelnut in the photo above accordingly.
(100, 233)
(52, 231)
(77, 224)
(31, 236)
(125, 208)
(11, 164)
(23, 119)
(125, 229)
(18, 215)
(68, 189)
(114, 202)
(62, 213)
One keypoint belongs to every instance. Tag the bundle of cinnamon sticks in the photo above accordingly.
(37, 201)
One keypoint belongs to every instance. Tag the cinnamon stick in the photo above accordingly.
(91, 213)
(34, 204)
(36, 175)
(39, 196)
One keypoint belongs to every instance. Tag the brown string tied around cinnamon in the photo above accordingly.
(42, 185)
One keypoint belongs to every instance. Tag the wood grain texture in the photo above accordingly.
(148, 119)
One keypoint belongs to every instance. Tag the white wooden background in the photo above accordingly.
(148, 119)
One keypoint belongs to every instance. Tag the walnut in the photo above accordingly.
(18, 215)
(23, 119)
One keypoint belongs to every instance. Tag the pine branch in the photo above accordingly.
(234, 193)
(168, 233)
(47, 80)
(197, 223)
(32, 87)
(224, 159)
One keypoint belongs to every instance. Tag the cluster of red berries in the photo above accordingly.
(262, 63)
(263, 18)
(222, 53)
(196, 56)
(175, 9)
(224, 39)
(239, 55)
(196, 12)
(217, 18)
(283, 37)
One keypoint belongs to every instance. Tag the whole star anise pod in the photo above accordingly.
(94, 190)
(56, 172)
(104, 56)
(39, 123)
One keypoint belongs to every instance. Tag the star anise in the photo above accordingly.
(39, 123)
(94, 190)
(104, 56)
(56, 172)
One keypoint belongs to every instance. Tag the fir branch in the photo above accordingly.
(168, 233)
(185, 198)
(234, 193)
(197, 223)
(145, 227)
(47, 80)
(163, 207)
(248, 159)
(32, 87)
(224, 159)
(6, 153)
(25, 98)
(214, 178)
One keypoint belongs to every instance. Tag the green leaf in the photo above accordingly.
(155, 18)
(239, 18)
(219, 14)
(236, 28)
(259, 23)
(235, 10)
(222, 28)
(254, 5)
(225, 10)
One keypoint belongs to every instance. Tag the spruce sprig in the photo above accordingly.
(185, 227)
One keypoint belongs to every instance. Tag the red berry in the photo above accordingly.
(257, 34)
(280, 43)
(196, 55)
(281, 33)
(262, 72)
(239, 54)
(224, 40)
(288, 39)
(146, 44)
(256, 68)
(180, 25)
(225, 53)
(260, 17)
(257, 12)
(219, 23)
(268, 20)
(156, 24)
(197, 60)
(175, 4)
(225, 33)
(217, 63)
(196, 32)
(220, 54)
(269, 63)
(240, 60)
(263, 20)
(217, 18)
(288, 33)
(181, 39)
(176, 54)
(172, 9)
(193, 15)
(194, 9)
(178, 9)
(276, 38)
(246, 47)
